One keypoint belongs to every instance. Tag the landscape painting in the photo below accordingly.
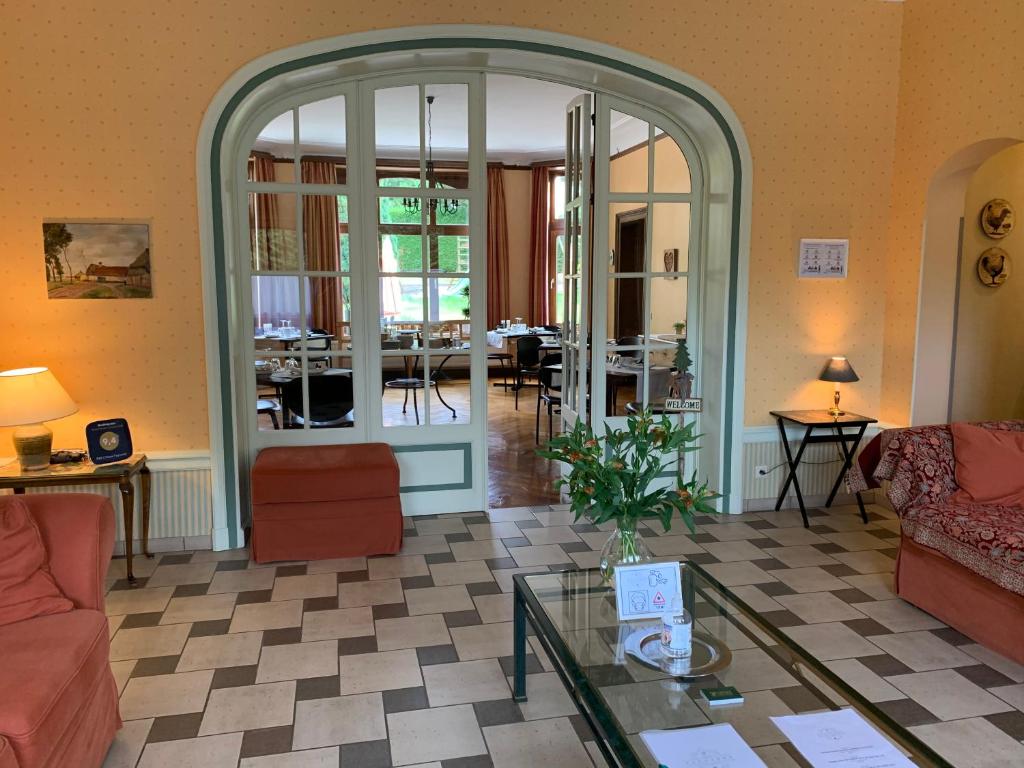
(90, 260)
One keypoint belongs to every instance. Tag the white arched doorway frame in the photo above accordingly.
(938, 290)
(706, 116)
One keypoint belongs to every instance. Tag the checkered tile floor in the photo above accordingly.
(401, 661)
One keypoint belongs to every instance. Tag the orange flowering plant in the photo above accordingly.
(613, 477)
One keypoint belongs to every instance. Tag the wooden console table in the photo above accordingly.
(86, 473)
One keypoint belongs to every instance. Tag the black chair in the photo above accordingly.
(631, 341)
(547, 394)
(330, 401)
(505, 361)
(527, 361)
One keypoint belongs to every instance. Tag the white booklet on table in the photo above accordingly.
(842, 738)
(707, 745)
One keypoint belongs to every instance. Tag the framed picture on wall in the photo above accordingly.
(97, 260)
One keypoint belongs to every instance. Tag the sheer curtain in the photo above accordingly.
(320, 238)
(539, 277)
(497, 248)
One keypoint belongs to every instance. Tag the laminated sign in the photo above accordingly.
(646, 591)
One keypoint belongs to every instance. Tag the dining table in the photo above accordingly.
(617, 375)
(288, 341)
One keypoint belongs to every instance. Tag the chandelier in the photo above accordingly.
(444, 205)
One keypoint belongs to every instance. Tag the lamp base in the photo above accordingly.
(33, 443)
(834, 411)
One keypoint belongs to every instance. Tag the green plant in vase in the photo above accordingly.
(620, 477)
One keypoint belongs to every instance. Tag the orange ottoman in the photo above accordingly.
(324, 501)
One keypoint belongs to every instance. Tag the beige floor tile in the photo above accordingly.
(1011, 694)
(484, 531)
(247, 707)
(972, 743)
(735, 637)
(546, 554)
(255, 616)
(113, 623)
(738, 574)
(465, 682)
(542, 742)
(438, 600)
(354, 594)
(899, 615)
(753, 719)
(160, 695)
(250, 580)
(876, 585)
(337, 565)
(922, 651)
(831, 641)
(399, 567)
(339, 720)
(732, 531)
(586, 559)
(597, 539)
(998, 662)
(512, 514)
(866, 561)
(127, 601)
(555, 534)
(755, 598)
(444, 733)
(302, 587)
(817, 607)
(799, 556)
(792, 537)
(774, 756)
(209, 556)
(200, 608)
(128, 744)
(494, 608)
(856, 541)
(864, 681)
(556, 517)
(810, 579)
(122, 670)
(472, 572)
(441, 525)
(240, 649)
(327, 757)
(141, 566)
(205, 752)
(297, 660)
(383, 671)
(434, 544)
(146, 642)
(486, 549)
(672, 545)
(754, 670)
(546, 697)
(732, 551)
(337, 623)
(503, 576)
(176, 575)
(411, 632)
(483, 641)
(948, 695)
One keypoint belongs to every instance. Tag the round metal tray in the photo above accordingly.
(708, 656)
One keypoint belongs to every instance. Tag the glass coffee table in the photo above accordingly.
(574, 619)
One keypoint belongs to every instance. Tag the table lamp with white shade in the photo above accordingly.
(28, 397)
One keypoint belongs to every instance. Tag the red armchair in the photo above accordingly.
(59, 701)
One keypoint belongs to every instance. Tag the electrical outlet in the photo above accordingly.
(761, 470)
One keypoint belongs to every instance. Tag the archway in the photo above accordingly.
(689, 102)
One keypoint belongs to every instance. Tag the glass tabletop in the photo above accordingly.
(574, 616)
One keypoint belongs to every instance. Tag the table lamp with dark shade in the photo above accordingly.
(28, 397)
(839, 371)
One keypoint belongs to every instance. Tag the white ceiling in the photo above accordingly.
(525, 123)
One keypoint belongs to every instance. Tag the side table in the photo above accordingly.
(833, 427)
(86, 473)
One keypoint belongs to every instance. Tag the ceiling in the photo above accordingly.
(525, 123)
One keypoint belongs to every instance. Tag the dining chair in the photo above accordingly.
(548, 394)
(330, 401)
(527, 361)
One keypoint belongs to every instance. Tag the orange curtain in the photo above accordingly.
(497, 249)
(320, 239)
(264, 218)
(539, 277)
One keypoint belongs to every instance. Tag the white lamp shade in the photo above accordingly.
(31, 396)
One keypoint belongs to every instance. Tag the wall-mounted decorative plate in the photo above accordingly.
(997, 218)
(993, 267)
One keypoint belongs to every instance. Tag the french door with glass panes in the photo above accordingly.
(365, 280)
(632, 276)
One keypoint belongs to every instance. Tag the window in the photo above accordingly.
(556, 245)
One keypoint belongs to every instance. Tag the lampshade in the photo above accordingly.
(31, 396)
(838, 369)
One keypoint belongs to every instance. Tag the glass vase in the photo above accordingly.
(624, 547)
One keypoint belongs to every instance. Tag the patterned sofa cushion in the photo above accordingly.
(985, 538)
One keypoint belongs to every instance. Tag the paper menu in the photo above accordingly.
(841, 738)
(709, 746)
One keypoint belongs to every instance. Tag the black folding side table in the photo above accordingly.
(833, 427)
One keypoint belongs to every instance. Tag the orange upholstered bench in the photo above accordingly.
(325, 501)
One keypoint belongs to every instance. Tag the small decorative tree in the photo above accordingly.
(684, 379)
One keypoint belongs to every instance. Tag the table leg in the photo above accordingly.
(146, 481)
(793, 463)
(128, 514)
(848, 454)
(519, 646)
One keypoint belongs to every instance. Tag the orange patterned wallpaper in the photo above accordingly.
(960, 83)
(102, 108)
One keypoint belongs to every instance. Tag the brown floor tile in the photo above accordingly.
(231, 677)
(291, 570)
(885, 665)
(190, 590)
(776, 588)
(208, 628)
(497, 712)
(867, 627)
(800, 699)
(516, 541)
(405, 699)
(839, 570)
(476, 761)
(439, 557)
(907, 712)
(285, 636)
(782, 618)
(951, 636)
(260, 596)
(155, 665)
(417, 582)
(348, 646)
(267, 741)
(173, 727)
(984, 676)
(436, 654)
(1011, 723)
(176, 559)
(462, 618)
(501, 563)
(367, 754)
(390, 611)
(136, 620)
(320, 604)
(232, 565)
(347, 576)
(852, 596)
(317, 688)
